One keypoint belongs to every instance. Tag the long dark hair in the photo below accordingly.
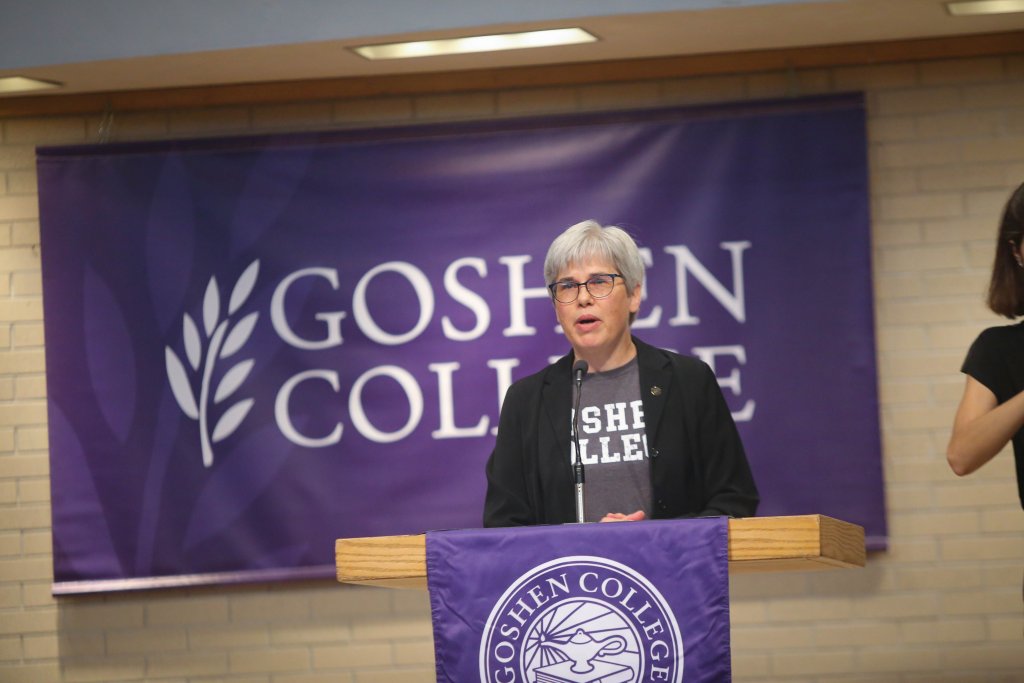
(1006, 290)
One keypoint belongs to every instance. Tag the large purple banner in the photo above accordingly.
(256, 346)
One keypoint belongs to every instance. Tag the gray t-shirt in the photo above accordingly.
(613, 443)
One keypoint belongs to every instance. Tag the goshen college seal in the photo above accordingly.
(581, 619)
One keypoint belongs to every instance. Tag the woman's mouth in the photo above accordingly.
(585, 323)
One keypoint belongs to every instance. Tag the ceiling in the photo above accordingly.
(92, 52)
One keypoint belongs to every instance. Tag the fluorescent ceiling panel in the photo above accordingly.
(971, 7)
(487, 43)
(13, 84)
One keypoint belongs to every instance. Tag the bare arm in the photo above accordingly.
(982, 427)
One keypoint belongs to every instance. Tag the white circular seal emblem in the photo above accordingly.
(581, 619)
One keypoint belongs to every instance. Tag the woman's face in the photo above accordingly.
(597, 328)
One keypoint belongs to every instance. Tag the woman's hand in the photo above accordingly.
(619, 517)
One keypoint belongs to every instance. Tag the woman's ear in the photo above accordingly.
(634, 299)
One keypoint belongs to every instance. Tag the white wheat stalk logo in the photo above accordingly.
(222, 341)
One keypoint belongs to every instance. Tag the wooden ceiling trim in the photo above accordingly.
(589, 73)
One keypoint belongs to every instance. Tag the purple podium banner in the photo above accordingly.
(606, 603)
(255, 346)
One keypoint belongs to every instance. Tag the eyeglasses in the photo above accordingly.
(598, 286)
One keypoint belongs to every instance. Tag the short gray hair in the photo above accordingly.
(588, 240)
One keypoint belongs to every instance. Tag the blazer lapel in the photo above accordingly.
(556, 404)
(655, 384)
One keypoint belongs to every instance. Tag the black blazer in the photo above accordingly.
(698, 465)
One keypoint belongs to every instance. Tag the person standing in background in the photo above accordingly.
(991, 411)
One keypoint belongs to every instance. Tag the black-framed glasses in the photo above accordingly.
(598, 286)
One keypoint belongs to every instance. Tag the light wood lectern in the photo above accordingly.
(756, 544)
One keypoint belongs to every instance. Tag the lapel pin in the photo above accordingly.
(655, 391)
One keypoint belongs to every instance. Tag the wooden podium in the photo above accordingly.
(756, 544)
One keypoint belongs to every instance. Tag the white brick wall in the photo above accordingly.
(943, 604)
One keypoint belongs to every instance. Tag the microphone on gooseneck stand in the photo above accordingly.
(579, 369)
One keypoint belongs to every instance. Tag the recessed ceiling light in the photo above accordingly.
(969, 7)
(490, 43)
(9, 84)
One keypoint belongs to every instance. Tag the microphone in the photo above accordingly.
(579, 368)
